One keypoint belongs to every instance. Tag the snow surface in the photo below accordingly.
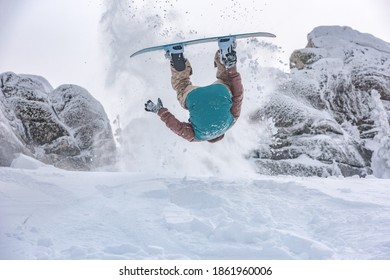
(48, 213)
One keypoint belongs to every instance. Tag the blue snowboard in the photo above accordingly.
(204, 40)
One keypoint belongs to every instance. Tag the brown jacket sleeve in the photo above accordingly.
(183, 129)
(237, 91)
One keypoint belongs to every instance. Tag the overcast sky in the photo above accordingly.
(62, 40)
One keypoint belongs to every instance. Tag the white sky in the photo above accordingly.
(61, 40)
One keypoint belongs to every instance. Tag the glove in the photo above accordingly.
(154, 108)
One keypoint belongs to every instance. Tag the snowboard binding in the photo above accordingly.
(175, 54)
(227, 46)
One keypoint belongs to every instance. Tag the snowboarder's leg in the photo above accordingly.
(175, 53)
(181, 82)
(181, 71)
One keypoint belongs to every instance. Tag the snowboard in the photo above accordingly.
(204, 40)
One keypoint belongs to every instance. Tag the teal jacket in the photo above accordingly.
(209, 109)
(213, 110)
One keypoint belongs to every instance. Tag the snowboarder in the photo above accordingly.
(213, 109)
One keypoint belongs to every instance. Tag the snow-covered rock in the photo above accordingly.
(334, 107)
(65, 127)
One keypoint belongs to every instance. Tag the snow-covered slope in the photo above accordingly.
(47, 213)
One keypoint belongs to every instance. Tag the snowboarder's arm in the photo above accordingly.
(237, 91)
(182, 129)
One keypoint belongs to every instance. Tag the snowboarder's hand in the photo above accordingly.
(154, 108)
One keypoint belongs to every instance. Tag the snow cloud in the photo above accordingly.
(146, 143)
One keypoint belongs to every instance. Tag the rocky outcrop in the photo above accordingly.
(65, 127)
(332, 112)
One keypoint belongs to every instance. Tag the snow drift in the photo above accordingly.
(48, 213)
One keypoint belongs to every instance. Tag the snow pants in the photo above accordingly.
(181, 82)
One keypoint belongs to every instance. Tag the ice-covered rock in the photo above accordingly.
(334, 107)
(65, 127)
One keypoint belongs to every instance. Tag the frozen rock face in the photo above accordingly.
(65, 127)
(332, 112)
